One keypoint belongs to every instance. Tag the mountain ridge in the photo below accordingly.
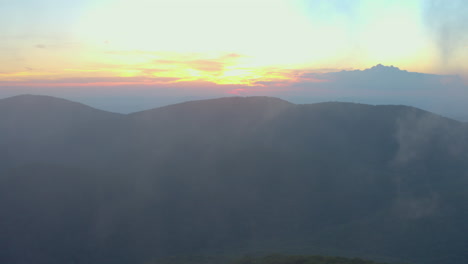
(266, 100)
(232, 176)
(45, 99)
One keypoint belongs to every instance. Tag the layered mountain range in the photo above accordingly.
(230, 176)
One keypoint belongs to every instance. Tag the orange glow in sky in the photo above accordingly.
(245, 42)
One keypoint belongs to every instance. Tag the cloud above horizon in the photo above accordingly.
(294, 49)
(296, 34)
(377, 85)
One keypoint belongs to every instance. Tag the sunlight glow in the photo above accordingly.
(223, 41)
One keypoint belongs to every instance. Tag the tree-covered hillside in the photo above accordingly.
(230, 176)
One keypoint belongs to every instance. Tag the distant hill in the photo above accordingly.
(230, 176)
(44, 128)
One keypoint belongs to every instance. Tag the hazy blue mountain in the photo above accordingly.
(43, 128)
(230, 176)
(386, 78)
(442, 94)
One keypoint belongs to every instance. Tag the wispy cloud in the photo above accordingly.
(238, 91)
(90, 81)
(213, 65)
(201, 65)
(448, 23)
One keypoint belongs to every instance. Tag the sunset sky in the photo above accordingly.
(234, 46)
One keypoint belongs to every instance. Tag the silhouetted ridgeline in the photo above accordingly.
(230, 176)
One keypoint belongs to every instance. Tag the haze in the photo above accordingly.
(199, 132)
(126, 56)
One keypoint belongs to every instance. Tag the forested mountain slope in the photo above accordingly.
(230, 176)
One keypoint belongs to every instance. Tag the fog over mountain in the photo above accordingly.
(230, 176)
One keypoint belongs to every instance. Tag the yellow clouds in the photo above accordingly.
(245, 42)
(151, 68)
(228, 68)
(215, 65)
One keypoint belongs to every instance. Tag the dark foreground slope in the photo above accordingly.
(232, 176)
(269, 259)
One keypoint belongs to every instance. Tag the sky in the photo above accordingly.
(154, 52)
